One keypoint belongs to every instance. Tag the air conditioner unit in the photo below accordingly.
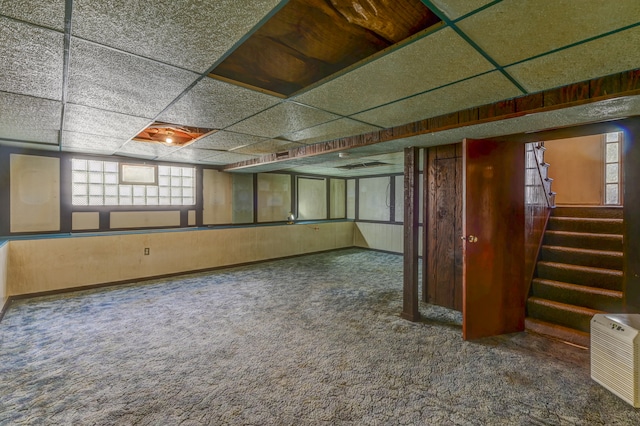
(615, 354)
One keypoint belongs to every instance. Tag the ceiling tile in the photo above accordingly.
(145, 150)
(107, 79)
(438, 59)
(270, 146)
(188, 33)
(224, 141)
(26, 145)
(600, 57)
(230, 157)
(48, 137)
(83, 142)
(79, 118)
(457, 8)
(19, 111)
(46, 13)
(30, 60)
(189, 154)
(284, 118)
(477, 91)
(332, 130)
(214, 104)
(522, 29)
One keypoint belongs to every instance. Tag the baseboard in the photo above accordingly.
(5, 307)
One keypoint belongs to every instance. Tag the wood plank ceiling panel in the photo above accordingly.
(308, 40)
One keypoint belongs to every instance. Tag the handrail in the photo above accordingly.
(539, 163)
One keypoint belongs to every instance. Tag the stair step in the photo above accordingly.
(585, 240)
(566, 211)
(600, 225)
(584, 275)
(585, 257)
(578, 295)
(563, 314)
(565, 334)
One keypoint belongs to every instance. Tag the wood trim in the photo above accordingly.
(426, 215)
(582, 93)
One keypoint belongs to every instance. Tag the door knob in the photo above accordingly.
(470, 238)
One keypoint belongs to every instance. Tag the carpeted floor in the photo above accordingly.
(314, 340)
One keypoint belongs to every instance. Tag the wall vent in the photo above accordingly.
(362, 165)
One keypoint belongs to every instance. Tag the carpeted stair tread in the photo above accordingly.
(610, 259)
(588, 212)
(558, 332)
(585, 240)
(585, 275)
(564, 314)
(584, 224)
(578, 295)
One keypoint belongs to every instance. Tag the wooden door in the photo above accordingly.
(493, 228)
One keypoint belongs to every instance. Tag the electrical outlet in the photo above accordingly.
(146, 251)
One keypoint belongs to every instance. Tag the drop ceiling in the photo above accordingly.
(87, 76)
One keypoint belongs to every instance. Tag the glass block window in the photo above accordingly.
(97, 183)
(612, 168)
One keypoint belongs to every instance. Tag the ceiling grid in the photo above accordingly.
(87, 76)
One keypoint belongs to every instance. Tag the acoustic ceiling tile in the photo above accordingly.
(22, 134)
(27, 145)
(96, 144)
(192, 34)
(230, 157)
(523, 29)
(270, 146)
(332, 130)
(83, 119)
(438, 59)
(145, 150)
(224, 141)
(46, 13)
(107, 79)
(214, 104)
(477, 91)
(599, 57)
(457, 8)
(189, 154)
(283, 118)
(30, 60)
(28, 112)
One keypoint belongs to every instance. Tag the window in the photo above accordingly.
(97, 183)
(612, 169)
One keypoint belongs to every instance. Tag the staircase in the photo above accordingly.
(578, 274)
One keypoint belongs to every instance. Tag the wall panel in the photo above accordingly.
(47, 264)
(34, 193)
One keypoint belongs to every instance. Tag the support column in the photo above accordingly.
(631, 199)
(411, 229)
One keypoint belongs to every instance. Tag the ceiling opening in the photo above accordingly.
(171, 134)
(308, 40)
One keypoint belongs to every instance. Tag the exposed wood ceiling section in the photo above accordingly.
(171, 134)
(308, 40)
(87, 75)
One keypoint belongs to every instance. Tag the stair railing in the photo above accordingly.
(539, 200)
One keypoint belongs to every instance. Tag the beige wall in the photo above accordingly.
(577, 168)
(217, 198)
(4, 256)
(35, 193)
(62, 263)
(382, 236)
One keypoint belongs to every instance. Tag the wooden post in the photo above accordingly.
(411, 228)
(631, 200)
